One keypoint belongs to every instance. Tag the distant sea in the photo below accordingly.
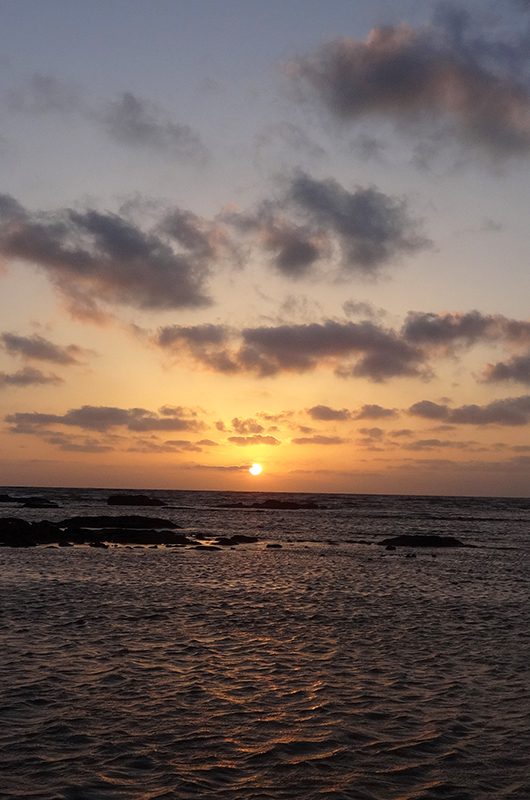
(328, 667)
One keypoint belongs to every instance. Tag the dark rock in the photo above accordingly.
(127, 521)
(273, 546)
(133, 500)
(237, 538)
(125, 536)
(423, 540)
(6, 498)
(98, 543)
(390, 547)
(206, 547)
(38, 502)
(64, 543)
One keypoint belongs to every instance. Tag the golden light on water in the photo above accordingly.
(255, 469)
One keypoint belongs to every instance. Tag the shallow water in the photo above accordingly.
(314, 671)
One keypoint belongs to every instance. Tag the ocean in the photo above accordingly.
(329, 667)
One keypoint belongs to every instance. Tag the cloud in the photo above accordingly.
(327, 413)
(363, 230)
(44, 94)
(40, 349)
(245, 426)
(354, 349)
(101, 418)
(318, 439)
(257, 438)
(436, 444)
(442, 74)
(96, 258)
(515, 369)
(449, 329)
(372, 228)
(27, 377)
(288, 136)
(374, 411)
(133, 121)
(508, 411)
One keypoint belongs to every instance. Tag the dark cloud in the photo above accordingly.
(515, 369)
(101, 418)
(133, 121)
(245, 426)
(354, 349)
(27, 377)
(447, 330)
(436, 444)
(311, 220)
(96, 258)
(318, 439)
(44, 94)
(374, 411)
(289, 136)
(443, 74)
(41, 349)
(257, 438)
(73, 444)
(508, 411)
(371, 228)
(327, 413)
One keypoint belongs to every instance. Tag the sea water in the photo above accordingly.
(327, 668)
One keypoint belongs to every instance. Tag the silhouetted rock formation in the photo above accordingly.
(38, 502)
(125, 521)
(133, 500)
(6, 498)
(237, 538)
(15, 532)
(423, 540)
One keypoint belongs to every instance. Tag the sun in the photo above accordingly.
(255, 469)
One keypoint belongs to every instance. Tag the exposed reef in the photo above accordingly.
(422, 540)
(133, 500)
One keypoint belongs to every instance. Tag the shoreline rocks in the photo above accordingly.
(422, 540)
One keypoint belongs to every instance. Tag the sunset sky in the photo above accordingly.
(293, 233)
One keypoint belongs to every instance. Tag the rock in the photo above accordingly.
(273, 546)
(205, 547)
(97, 543)
(133, 500)
(128, 536)
(38, 502)
(237, 538)
(6, 498)
(390, 547)
(423, 540)
(64, 543)
(127, 521)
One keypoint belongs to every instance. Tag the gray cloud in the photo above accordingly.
(256, 438)
(377, 353)
(101, 418)
(446, 330)
(508, 411)
(44, 94)
(41, 349)
(311, 219)
(96, 258)
(133, 121)
(515, 369)
(374, 411)
(372, 228)
(246, 426)
(443, 74)
(327, 413)
(318, 439)
(27, 377)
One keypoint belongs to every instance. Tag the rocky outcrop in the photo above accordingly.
(124, 521)
(422, 540)
(276, 505)
(133, 500)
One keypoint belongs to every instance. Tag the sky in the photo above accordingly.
(290, 233)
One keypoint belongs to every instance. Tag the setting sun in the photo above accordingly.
(255, 469)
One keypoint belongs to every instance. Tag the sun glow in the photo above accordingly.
(255, 469)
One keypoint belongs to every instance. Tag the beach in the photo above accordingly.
(324, 668)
